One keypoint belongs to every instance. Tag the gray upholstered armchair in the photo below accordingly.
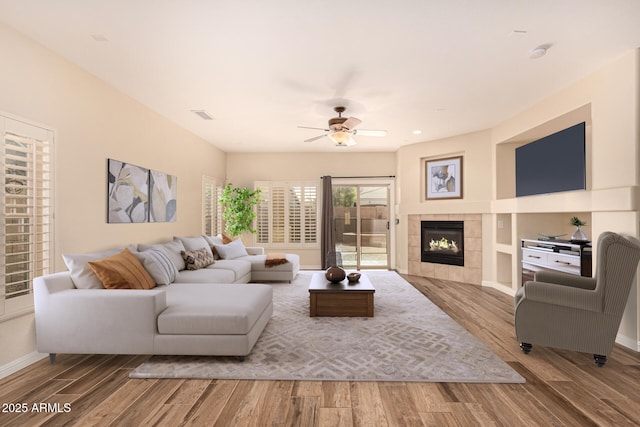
(579, 313)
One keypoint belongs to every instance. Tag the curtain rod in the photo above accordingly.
(379, 176)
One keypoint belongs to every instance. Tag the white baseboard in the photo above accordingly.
(630, 343)
(20, 363)
(497, 286)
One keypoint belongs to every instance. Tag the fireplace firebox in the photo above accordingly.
(442, 242)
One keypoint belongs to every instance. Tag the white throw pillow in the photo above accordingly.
(81, 273)
(159, 266)
(212, 241)
(231, 250)
(172, 249)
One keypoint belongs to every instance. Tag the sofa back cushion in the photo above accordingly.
(122, 271)
(194, 243)
(82, 275)
(160, 267)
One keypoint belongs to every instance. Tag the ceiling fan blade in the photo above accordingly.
(351, 123)
(307, 127)
(314, 138)
(370, 132)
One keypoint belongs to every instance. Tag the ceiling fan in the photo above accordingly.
(341, 129)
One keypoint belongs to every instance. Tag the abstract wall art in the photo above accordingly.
(163, 191)
(128, 193)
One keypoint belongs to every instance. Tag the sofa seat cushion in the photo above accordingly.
(218, 309)
(257, 263)
(240, 268)
(206, 275)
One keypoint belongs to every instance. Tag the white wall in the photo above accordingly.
(93, 122)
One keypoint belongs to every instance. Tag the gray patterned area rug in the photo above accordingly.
(409, 339)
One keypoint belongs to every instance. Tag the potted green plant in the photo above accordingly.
(578, 234)
(238, 203)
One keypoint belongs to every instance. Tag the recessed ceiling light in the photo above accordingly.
(202, 114)
(539, 52)
(417, 132)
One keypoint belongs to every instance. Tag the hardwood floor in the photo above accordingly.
(563, 388)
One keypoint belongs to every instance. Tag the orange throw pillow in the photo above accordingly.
(122, 271)
(226, 239)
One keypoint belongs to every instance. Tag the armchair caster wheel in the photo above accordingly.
(600, 360)
(526, 347)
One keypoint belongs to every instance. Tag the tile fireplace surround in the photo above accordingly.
(471, 272)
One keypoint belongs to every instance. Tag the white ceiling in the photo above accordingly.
(262, 68)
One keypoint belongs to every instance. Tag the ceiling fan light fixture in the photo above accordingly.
(340, 137)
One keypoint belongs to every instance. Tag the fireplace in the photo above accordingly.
(442, 242)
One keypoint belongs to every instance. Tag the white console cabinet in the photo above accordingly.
(558, 255)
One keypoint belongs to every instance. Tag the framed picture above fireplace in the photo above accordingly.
(443, 178)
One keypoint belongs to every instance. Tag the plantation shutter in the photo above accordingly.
(211, 208)
(277, 214)
(295, 214)
(262, 216)
(287, 214)
(27, 211)
(311, 214)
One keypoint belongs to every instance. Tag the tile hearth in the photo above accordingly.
(471, 272)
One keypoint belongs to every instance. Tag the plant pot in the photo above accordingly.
(579, 234)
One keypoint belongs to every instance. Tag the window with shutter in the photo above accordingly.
(288, 214)
(27, 211)
(211, 209)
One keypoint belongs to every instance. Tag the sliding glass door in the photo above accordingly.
(361, 219)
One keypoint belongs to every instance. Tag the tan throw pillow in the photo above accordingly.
(122, 271)
(227, 239)
(195, 260)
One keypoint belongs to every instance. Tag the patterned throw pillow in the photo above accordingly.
(197, 259)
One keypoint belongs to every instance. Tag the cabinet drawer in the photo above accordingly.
(537, 257)
(564, 262)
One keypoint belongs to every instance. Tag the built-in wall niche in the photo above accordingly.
(532, 226)
(504, 269)
(503, 229)
(506, 150)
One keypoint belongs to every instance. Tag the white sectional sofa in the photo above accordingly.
(211, 310)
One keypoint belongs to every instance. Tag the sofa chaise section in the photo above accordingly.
(215, 320)
(178, 319)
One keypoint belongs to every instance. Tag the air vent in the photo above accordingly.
(203, 114)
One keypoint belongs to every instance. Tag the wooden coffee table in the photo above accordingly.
(340, 299)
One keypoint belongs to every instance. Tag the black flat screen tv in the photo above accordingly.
(552, 164)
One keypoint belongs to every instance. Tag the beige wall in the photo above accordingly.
(243, 169)
(94, 122)
(476, 179)
(608, 101)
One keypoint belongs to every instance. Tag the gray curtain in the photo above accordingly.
(328, 232)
